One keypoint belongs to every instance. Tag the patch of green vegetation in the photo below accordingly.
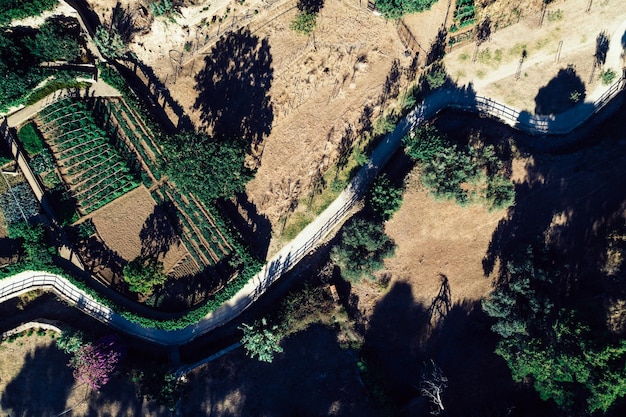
(463, 57)
(16, 10)
(555, 15)
(304, 22)
(517, 50)
(470, 174)
(31, 139)
(541, 43)
(362, 249)
(395, 9)
(607, 76)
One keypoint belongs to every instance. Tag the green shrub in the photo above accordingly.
(362, 249)
(261, 340)
(304, 22)
(384, 197)
(31, 139)
(607, 76)
(395, 9)
(143, 275)
(14, 10)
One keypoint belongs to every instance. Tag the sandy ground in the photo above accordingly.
(498, 60)
(120, 222)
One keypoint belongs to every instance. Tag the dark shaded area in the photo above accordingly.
(43, 375)
(233, 88)
(64, 204)
(573, 196)
(160, 231)
(125, 21)
(401, 338)
(391, 88)
(153, 92)
(602, 48)
(310, 6)
(438, 48)
(9, 250)
(255, 228)
(313, 377)
(183, 293)
(561, 93)
(483, 31)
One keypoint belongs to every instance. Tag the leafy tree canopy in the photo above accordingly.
(579, 369)
(206, 167)
(56, 40)
(95, 363)
(395, 9)
(362, 249)
(20, 9)
(385, 197)
(261, 340)
(143, 275)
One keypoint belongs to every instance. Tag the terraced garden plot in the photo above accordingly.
(202, 237)
(123, 123)
(91, 165)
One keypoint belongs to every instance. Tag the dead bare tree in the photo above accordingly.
(432, 385)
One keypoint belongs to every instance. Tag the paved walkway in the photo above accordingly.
(327, 221)
(96, 89)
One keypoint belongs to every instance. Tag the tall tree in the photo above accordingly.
(208, 168)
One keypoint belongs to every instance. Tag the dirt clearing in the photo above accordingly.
(121, 225)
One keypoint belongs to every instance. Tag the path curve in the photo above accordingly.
(315, 233)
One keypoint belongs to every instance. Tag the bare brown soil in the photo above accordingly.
(120, 224)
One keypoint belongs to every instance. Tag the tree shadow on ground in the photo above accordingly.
(562, 93)
(160, 231)
(254, 227)
(571, 198)
(180, 294)
(602, 48)
(438, 47)
(42, 386)
(313, 377)
(233, 88)
(404, 334)
(120, 398)
(310, 6)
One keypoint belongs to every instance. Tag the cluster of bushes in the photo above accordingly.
(471, 173)
(22, 52)
(16, 10)
(550, 341)
(464, 15)
(395, 9)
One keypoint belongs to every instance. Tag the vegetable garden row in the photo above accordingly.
(121, 121)
(203, 240)
(92, 166)
(464, 15)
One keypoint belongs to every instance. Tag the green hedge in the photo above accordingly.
(20, 9)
